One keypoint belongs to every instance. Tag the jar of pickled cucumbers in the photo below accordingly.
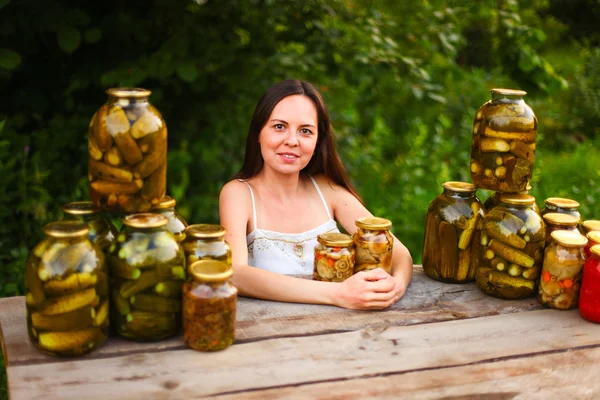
(452, 234)
(148, 269)
(589, 299)
(206, 242)
(512, 245)
(373, 243)
(561, 273)
(558, 221)
(209, 304)
(334, 257)
(176, 224)
(503, 146)
(561, 205)
(102, 231)
(593, 238)
(590, 225)
(127, 146)
(493, 200)
(66, 283)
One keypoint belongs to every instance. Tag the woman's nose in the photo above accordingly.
(291, 139)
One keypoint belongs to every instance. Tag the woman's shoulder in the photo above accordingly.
(235, 189)
(327, 185)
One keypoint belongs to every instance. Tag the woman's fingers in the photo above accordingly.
(382, 285)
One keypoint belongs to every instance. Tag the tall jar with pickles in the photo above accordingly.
(512, 244)
(148, 269)
(206, 242)
(176, 224)
(452, 234)
(504, 141)
(102, 231)
(127, 146)
(66, 284)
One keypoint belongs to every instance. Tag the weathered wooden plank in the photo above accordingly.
(426, 301)
(572, 374)
(302, 360)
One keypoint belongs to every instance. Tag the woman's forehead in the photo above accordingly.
(296, 108)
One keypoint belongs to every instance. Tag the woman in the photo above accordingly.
(291, 188)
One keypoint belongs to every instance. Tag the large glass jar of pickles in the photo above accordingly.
(127, 146)
(589, 299)
(561, 274)
(557, 221)
(148, 270)
(512, 245)
(452, 234)
(373, 242)
(493, 200)
(503, 147)
(206, 242)
(66, 291)
(209, 304)
(561, 205)
(102, 231)
(334, 257)
(176, 224)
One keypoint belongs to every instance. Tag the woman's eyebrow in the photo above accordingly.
(285, 122)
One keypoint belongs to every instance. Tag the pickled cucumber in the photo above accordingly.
(77, 319)
(70, 302)
(64, 341)
(144, 302)
(151, 325)
(510, 254)
(72, 283)
(168, 289)
(448, 250)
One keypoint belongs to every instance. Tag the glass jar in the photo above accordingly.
(127, 146)
(558, 221)
(590, 225)
(452, 234)
(503, 146)
(589, 298)
(66, 285)
(561, 273)
(512, 244)
(147, 268)
(493, 200)
(102, 231)
(176, 224)
(206, 242)
(209, 304)
(334, 257)
(561, 205)
(373, 244)
(593, 238)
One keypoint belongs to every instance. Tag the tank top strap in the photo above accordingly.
(253, 204)
(321, 196)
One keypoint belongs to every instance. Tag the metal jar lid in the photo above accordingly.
(462, 187)
(81, 208)
(210, 271)
(165, 202)
(561, 219)
(595, 250)
(335, 239)
(66, 229)
(130, 92)
(145, 220)
(592, 225)
(593, 236)
(508, 92)
(205, 231)
(373, 223)
(569, 238)
(517, 199)
(561, 202)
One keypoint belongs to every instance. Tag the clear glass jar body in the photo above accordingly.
(504, 140)
(561, 275)
(553, 223)
(512, 245)
(373, 245)
(102, 231)
(589, 298)
(209, 312)
(549, 208)
(66, 282)
(147, 269)
(452, 234)
(176, 224)
(206, 242)
(127, 145)
(494, 199)
(334, 263)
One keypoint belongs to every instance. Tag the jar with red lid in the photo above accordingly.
(589, 298)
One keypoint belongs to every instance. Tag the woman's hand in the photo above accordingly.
(369, 290)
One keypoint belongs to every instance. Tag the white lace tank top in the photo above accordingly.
(285, 253)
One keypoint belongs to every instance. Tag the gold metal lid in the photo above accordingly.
(211, 270)
(508, 92)
(569, 238)
(335, 239)
(373, 223)
(145, 220)
(81, 208)
(595, 250)
(128, 92)
(517, 199)
(594, 236)
(205, 231)
(166, 202)
(561, 219)
(592, 225)
(66, 229)
(462, 187)
(561, 202)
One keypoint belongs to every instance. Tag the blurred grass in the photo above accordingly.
(3, 383)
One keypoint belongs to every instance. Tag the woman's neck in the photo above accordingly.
(281, 187)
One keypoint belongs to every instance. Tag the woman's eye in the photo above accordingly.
(306, 131)
(279, 126)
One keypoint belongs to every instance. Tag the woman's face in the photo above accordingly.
(288, 139)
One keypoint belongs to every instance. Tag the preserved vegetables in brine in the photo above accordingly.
(334, 257)
(102, 231)
(561, 273)
(148, 269)
(504, 142)
(373, 244)
(558, 221)
(512, 246)
(452, 234)
(206, 242)
(209, 306)
(66, 291)
(589, 299)
(127, 145)
(176, 224)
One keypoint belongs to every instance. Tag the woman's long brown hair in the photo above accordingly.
(325, 159)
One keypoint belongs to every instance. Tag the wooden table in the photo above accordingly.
(440, 341)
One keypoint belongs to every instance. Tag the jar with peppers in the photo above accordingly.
(334, 257)
(589, 299)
